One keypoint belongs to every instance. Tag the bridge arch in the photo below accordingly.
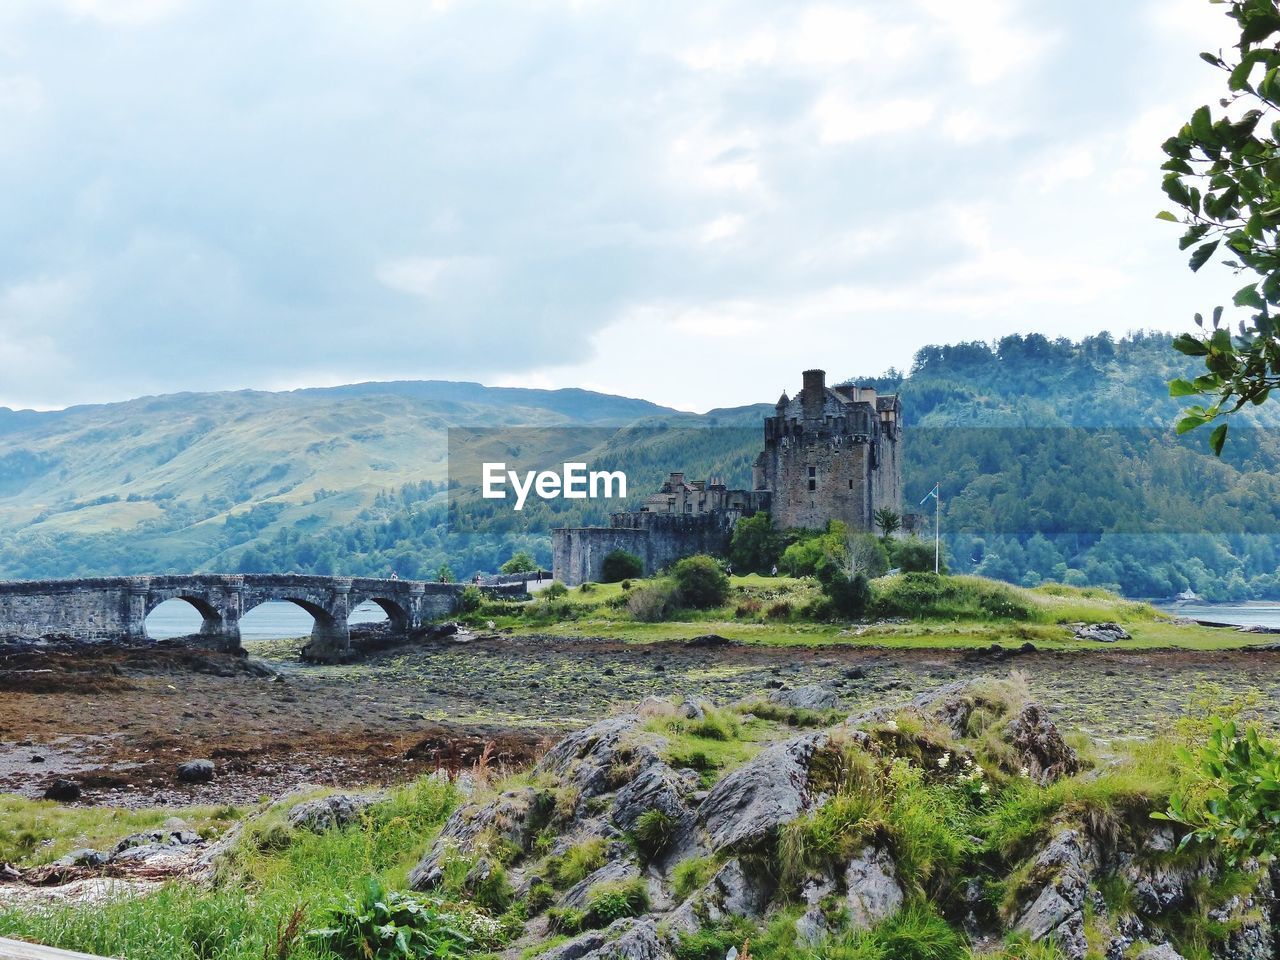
(213, 621)
(398, 615)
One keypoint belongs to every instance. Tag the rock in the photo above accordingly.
(1101, 632)
(1057, 912)
(1041, 748)
(812, 927)
(628, 939)
(815, 696)
(746, 807)
(82, 857)
(873, 893)
(732, 892)
(1161, 952)
(710, 640)
(586, 759)
(612, 872)
(62, 790)
(513, 816)
(657, 787)
(331, 813)
(196, 771)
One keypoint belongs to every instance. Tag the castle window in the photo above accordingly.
(813, 479)
(851, 483)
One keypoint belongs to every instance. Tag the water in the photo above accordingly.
(1243, 614)
(277, 620)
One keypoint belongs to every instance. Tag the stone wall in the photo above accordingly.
(659, 540)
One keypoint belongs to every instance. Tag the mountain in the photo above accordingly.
(1057, 461)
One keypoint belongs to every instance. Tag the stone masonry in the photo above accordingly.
(114, 609)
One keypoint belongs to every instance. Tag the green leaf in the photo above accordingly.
(1190, 346)
(1217, 439)
(1202, 124)
(1166, 215)
(1202, 255)
(1187, 424)
(1182, 388)
(1248, 297)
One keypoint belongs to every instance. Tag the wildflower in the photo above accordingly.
(1025, 771)
(983, 789)
(944, 761)
(891, 726)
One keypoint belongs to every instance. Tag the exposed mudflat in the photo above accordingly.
(119, 721)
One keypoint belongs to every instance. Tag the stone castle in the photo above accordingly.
(830, 453)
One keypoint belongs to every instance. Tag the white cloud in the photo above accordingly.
(124, 12)
(431, 277)
(721, 228)
(842, 120)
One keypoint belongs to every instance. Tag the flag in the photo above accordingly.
(932, 493)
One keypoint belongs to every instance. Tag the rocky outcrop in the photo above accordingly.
(332, 812)
(1040, 747)
(1101, 632)
(815, 696)
(748, 806)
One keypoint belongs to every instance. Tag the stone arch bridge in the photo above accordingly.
(114, 609)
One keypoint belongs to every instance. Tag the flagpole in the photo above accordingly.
(937, 529)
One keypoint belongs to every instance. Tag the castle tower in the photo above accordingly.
(831, 454)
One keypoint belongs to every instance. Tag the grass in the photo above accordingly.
(257, 893)
(34, 832)
(950, 612)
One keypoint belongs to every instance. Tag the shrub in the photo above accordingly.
(520, 562)
(755, 546)
(849, 596)
(779, 611)
(555, 589)
(1234, 800)
(914, 555)
(748, 609)
(471, 599)
(620, 565)
(700, 583)
(541, 895)
(385, 925)
(653, 603)
(653, 832)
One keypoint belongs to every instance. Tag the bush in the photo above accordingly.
(521, 562)
(1234, 802)
(700, 583)
(653, 603)
(555, 589)
(620, 565)
(850, 596)
(914, 555)
(471, 599)
(384, 925)
(755, 546)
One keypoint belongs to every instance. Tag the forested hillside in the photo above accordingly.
(1057, 461)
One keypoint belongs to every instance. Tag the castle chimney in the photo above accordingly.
(815, 390)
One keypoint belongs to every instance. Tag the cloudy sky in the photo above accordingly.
(689, 202)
